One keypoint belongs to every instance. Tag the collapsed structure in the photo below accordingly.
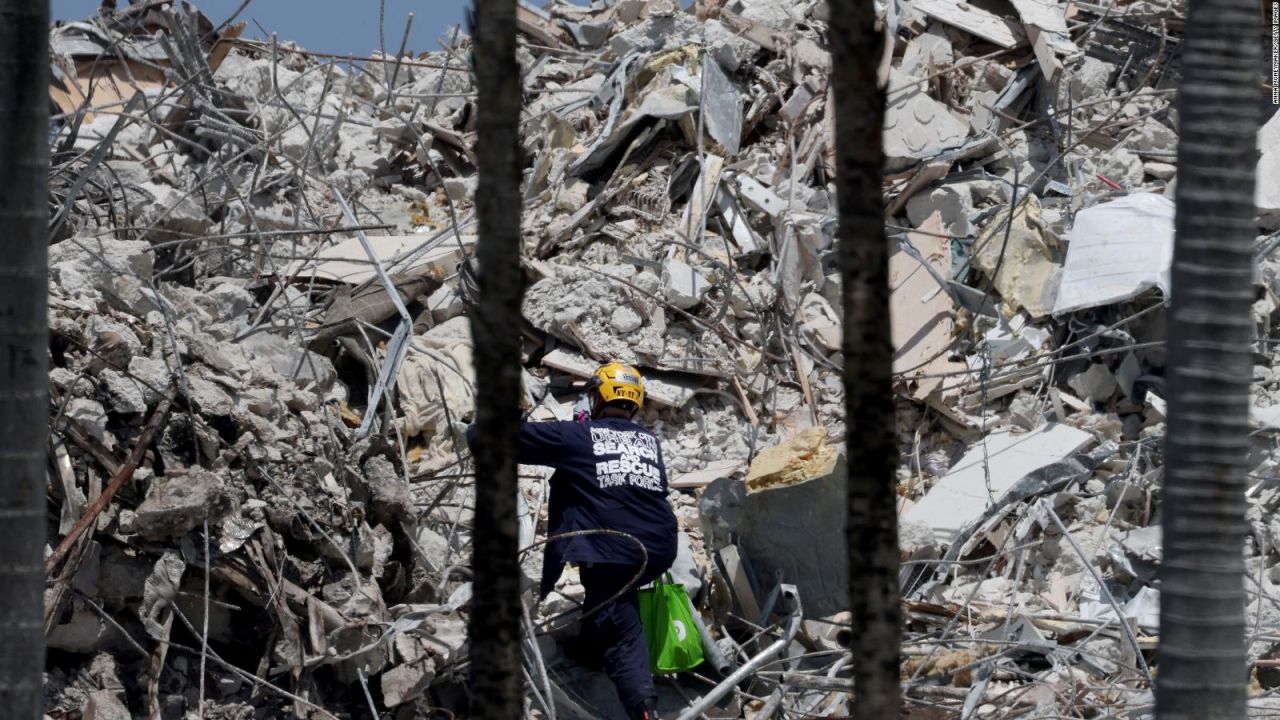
(259, 281)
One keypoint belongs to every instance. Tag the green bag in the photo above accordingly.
(674, 643)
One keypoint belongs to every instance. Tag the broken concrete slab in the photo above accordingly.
(729, 48)
(104, 256)
(704, 476)
(178, 503)
(779, 16)
(764, 522)
(759, 197)
(346, 260)
(915, 125)
(987, 471)
(1131, 239)
(656, 34)
(665, 389)
(953, 203)
(973, 20)
(923, 316)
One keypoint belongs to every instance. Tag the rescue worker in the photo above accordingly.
(609, 475)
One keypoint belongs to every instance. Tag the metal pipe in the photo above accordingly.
(710, 650)
(790, 597)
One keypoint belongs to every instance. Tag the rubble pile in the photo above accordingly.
(260, 278)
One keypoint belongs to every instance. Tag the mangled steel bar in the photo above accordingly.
(790, 600)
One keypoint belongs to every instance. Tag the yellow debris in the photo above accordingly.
(804, 457)
(349, 416)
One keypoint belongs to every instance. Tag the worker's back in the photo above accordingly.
(609, 475)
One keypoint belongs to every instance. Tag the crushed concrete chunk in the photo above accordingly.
(106, 705)
(209, 397)
(803, 457)
(404, 683)
(178, 503)
(90, 416)
(683, 286)
(1097, 384)
(389, 497)
(656, 33)
(123, 395)
(625, 320)
(287, 360)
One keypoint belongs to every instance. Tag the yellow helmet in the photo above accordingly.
(616, 381)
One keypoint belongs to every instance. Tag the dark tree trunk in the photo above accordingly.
(24, 376)
(1202, 671)
(496, 690)
(872, 532)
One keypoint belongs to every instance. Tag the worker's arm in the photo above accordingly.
(541, 443)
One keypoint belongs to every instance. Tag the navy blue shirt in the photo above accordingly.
(609, 474)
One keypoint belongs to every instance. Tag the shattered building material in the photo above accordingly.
(803, 457)
(1024, 257)
(923, 316)
(989, 470)
(915, 125)
(799, 484)
(973, 20)
(1116, 251)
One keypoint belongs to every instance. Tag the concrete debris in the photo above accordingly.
(989, 470)
(284, 247)
(765, 520)
(923, 314)
(973, 20)
(1131, 238)
(1021, 257)
(179, 503)
(915, 125)
(803, 457)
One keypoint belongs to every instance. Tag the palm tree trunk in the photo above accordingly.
(872, 531)
(496, 690)
(24, 174)
(1202, 651)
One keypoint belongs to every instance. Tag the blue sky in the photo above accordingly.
(337, 26)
